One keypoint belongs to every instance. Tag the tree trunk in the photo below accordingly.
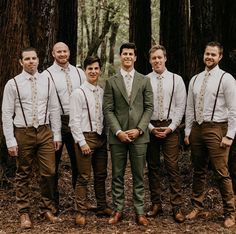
(112, 42)
(68, 24)
(140, 32)
(32, 23)
(229, 37)
(174, 35)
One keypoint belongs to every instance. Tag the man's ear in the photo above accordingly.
(20, 61)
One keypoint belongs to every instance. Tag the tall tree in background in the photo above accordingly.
(140, 32)
(29, 23)
(67, 26)
(187, 25)
(174, 34)
(229, 36)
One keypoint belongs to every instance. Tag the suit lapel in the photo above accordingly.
(121, 86)
(135, 87)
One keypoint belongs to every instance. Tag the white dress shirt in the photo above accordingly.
(178, 101)
(225, 109)
(79, 118)
(125, 73)
(61, 85)
(11, 106)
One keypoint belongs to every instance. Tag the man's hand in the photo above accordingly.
(57, 145)
(85, 149)
(186, 140)
(13, 151)
(133, 134)
(226, 142)
(124, 137)
(161, 132)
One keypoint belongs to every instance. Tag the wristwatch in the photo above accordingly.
(140, 131)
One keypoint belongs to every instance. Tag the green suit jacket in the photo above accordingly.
(122, 114)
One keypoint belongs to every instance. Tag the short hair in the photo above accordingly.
(26, 49)
(92, 59)
(157, 47)
(217, 44)
(128, 45)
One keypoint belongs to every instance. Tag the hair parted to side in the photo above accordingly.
(157, 47)
(26, 49)
(217, 44)
(128, 45)
(92, 59)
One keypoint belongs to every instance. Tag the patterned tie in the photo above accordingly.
(160, 97)
(128, 84)
(35, 121)
(98, 111)
(68, 81)
(200, 106)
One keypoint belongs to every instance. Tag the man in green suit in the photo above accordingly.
(128, 107)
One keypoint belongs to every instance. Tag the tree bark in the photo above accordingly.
(140, 32)
(174, 35)
(68, 24)
(32, 23)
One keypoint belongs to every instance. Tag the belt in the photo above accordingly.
(210, 123)
(161, 122)
(31, 127)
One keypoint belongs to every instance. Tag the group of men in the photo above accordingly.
(65, 105)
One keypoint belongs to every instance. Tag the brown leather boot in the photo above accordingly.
(25, 221)
(51, 217)
(155, 209)
(80, 219)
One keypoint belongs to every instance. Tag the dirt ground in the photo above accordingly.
(9, 219)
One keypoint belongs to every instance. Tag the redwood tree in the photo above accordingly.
(140, 32)
(32, 23)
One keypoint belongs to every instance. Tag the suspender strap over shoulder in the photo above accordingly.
(20, 102)
(217, 93)
(172, 94)
(45, 119)
(80, 79)
(62, 109)
(90, 121)
(194, 106)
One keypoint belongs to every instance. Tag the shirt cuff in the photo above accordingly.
(172, 127)
(82, 142)
(57, 137)
(150, 127)
(118, 132)
(11, 143)
(187, 132)
(230, 134)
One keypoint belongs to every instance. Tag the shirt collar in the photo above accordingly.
(213, 71)
(59, 68)
(163, 74)
(124, 73)
(28, 76)
(90, 86)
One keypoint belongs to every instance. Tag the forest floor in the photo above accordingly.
(9, 218)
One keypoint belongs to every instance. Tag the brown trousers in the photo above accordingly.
(35, 146)
(170, 150)
(205, 145)
(96, 160)
(68, 141)
(232, 164)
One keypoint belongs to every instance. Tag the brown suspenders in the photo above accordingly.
(18, 93)
(172, 94)
(217, 93)
(86, 100)
(80, 79)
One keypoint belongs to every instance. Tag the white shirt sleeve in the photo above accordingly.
(8, 107)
